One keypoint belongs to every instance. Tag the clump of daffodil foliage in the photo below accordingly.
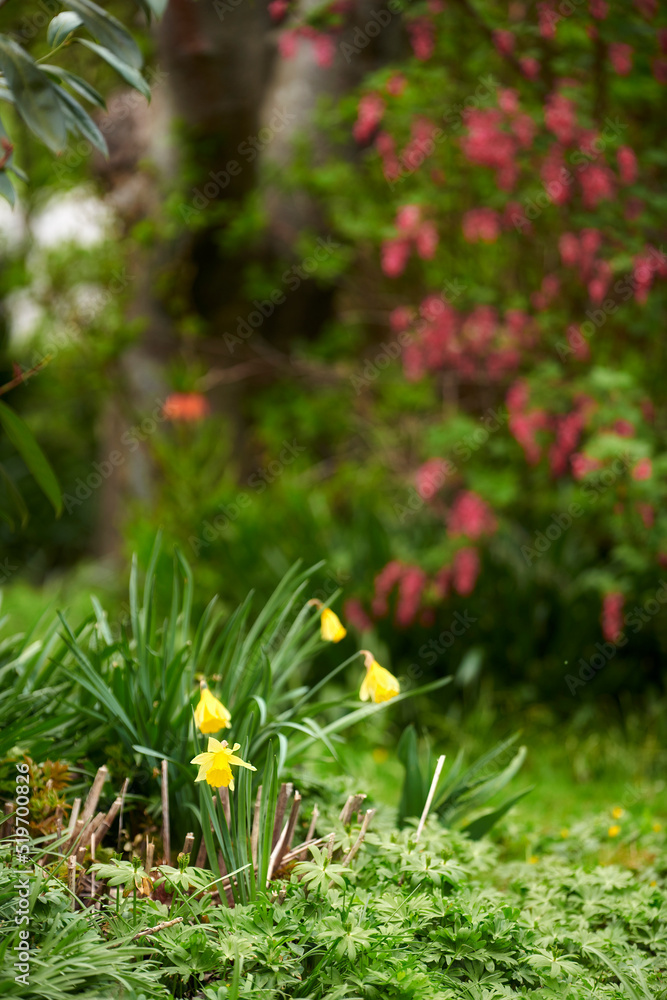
(577, 914)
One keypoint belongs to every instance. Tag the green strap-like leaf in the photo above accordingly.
(130, 75)
(149, 7)
(13, 492)
(61, 26)
(481, 826)
(108, 31)
(33, 456)
(34, 95)
(80, 86)
(79, 120)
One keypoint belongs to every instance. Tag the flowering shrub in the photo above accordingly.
(512, 221)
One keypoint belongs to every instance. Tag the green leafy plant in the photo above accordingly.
(463, 793)
(39, 93)
(137, 692)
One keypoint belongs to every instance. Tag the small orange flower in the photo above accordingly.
(189, 406)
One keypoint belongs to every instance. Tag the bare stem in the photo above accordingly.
(429, 797)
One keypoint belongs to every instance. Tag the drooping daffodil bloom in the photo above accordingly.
(210, 714)
(331, 627)
(378, 684)
(215, 763)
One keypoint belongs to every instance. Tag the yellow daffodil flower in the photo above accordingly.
(614, 830)
(331, 627)
(657, 827)
(215, 763)
(210, 714)
(379, 684)
(617, 812)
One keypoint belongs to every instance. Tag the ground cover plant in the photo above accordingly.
(277, 892)
(441, 918)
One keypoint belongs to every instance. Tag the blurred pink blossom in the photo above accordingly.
(395, 253)
(470, 516)
(421, 31)
(560, 118)
(481, 224)
(369, 115)
(465, 570)
(627, 164)
(353, 612)
(612, 615)
(597, 184)
(620, 54)
(642, 470)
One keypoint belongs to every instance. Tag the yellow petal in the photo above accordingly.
(202, 758)
(382, 684)
(215, 746)
(219, 777)
(331, 627)
(210, 714)
(364, 693)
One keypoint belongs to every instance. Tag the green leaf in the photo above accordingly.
(21, 174)
(33, 456)
(156, 7)
(61, 26)
(34, 95)
(130, 75)
(18, 500)
(484, 823)
(79, 120)
(7, 189)
(80, 86)
(108, 31)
